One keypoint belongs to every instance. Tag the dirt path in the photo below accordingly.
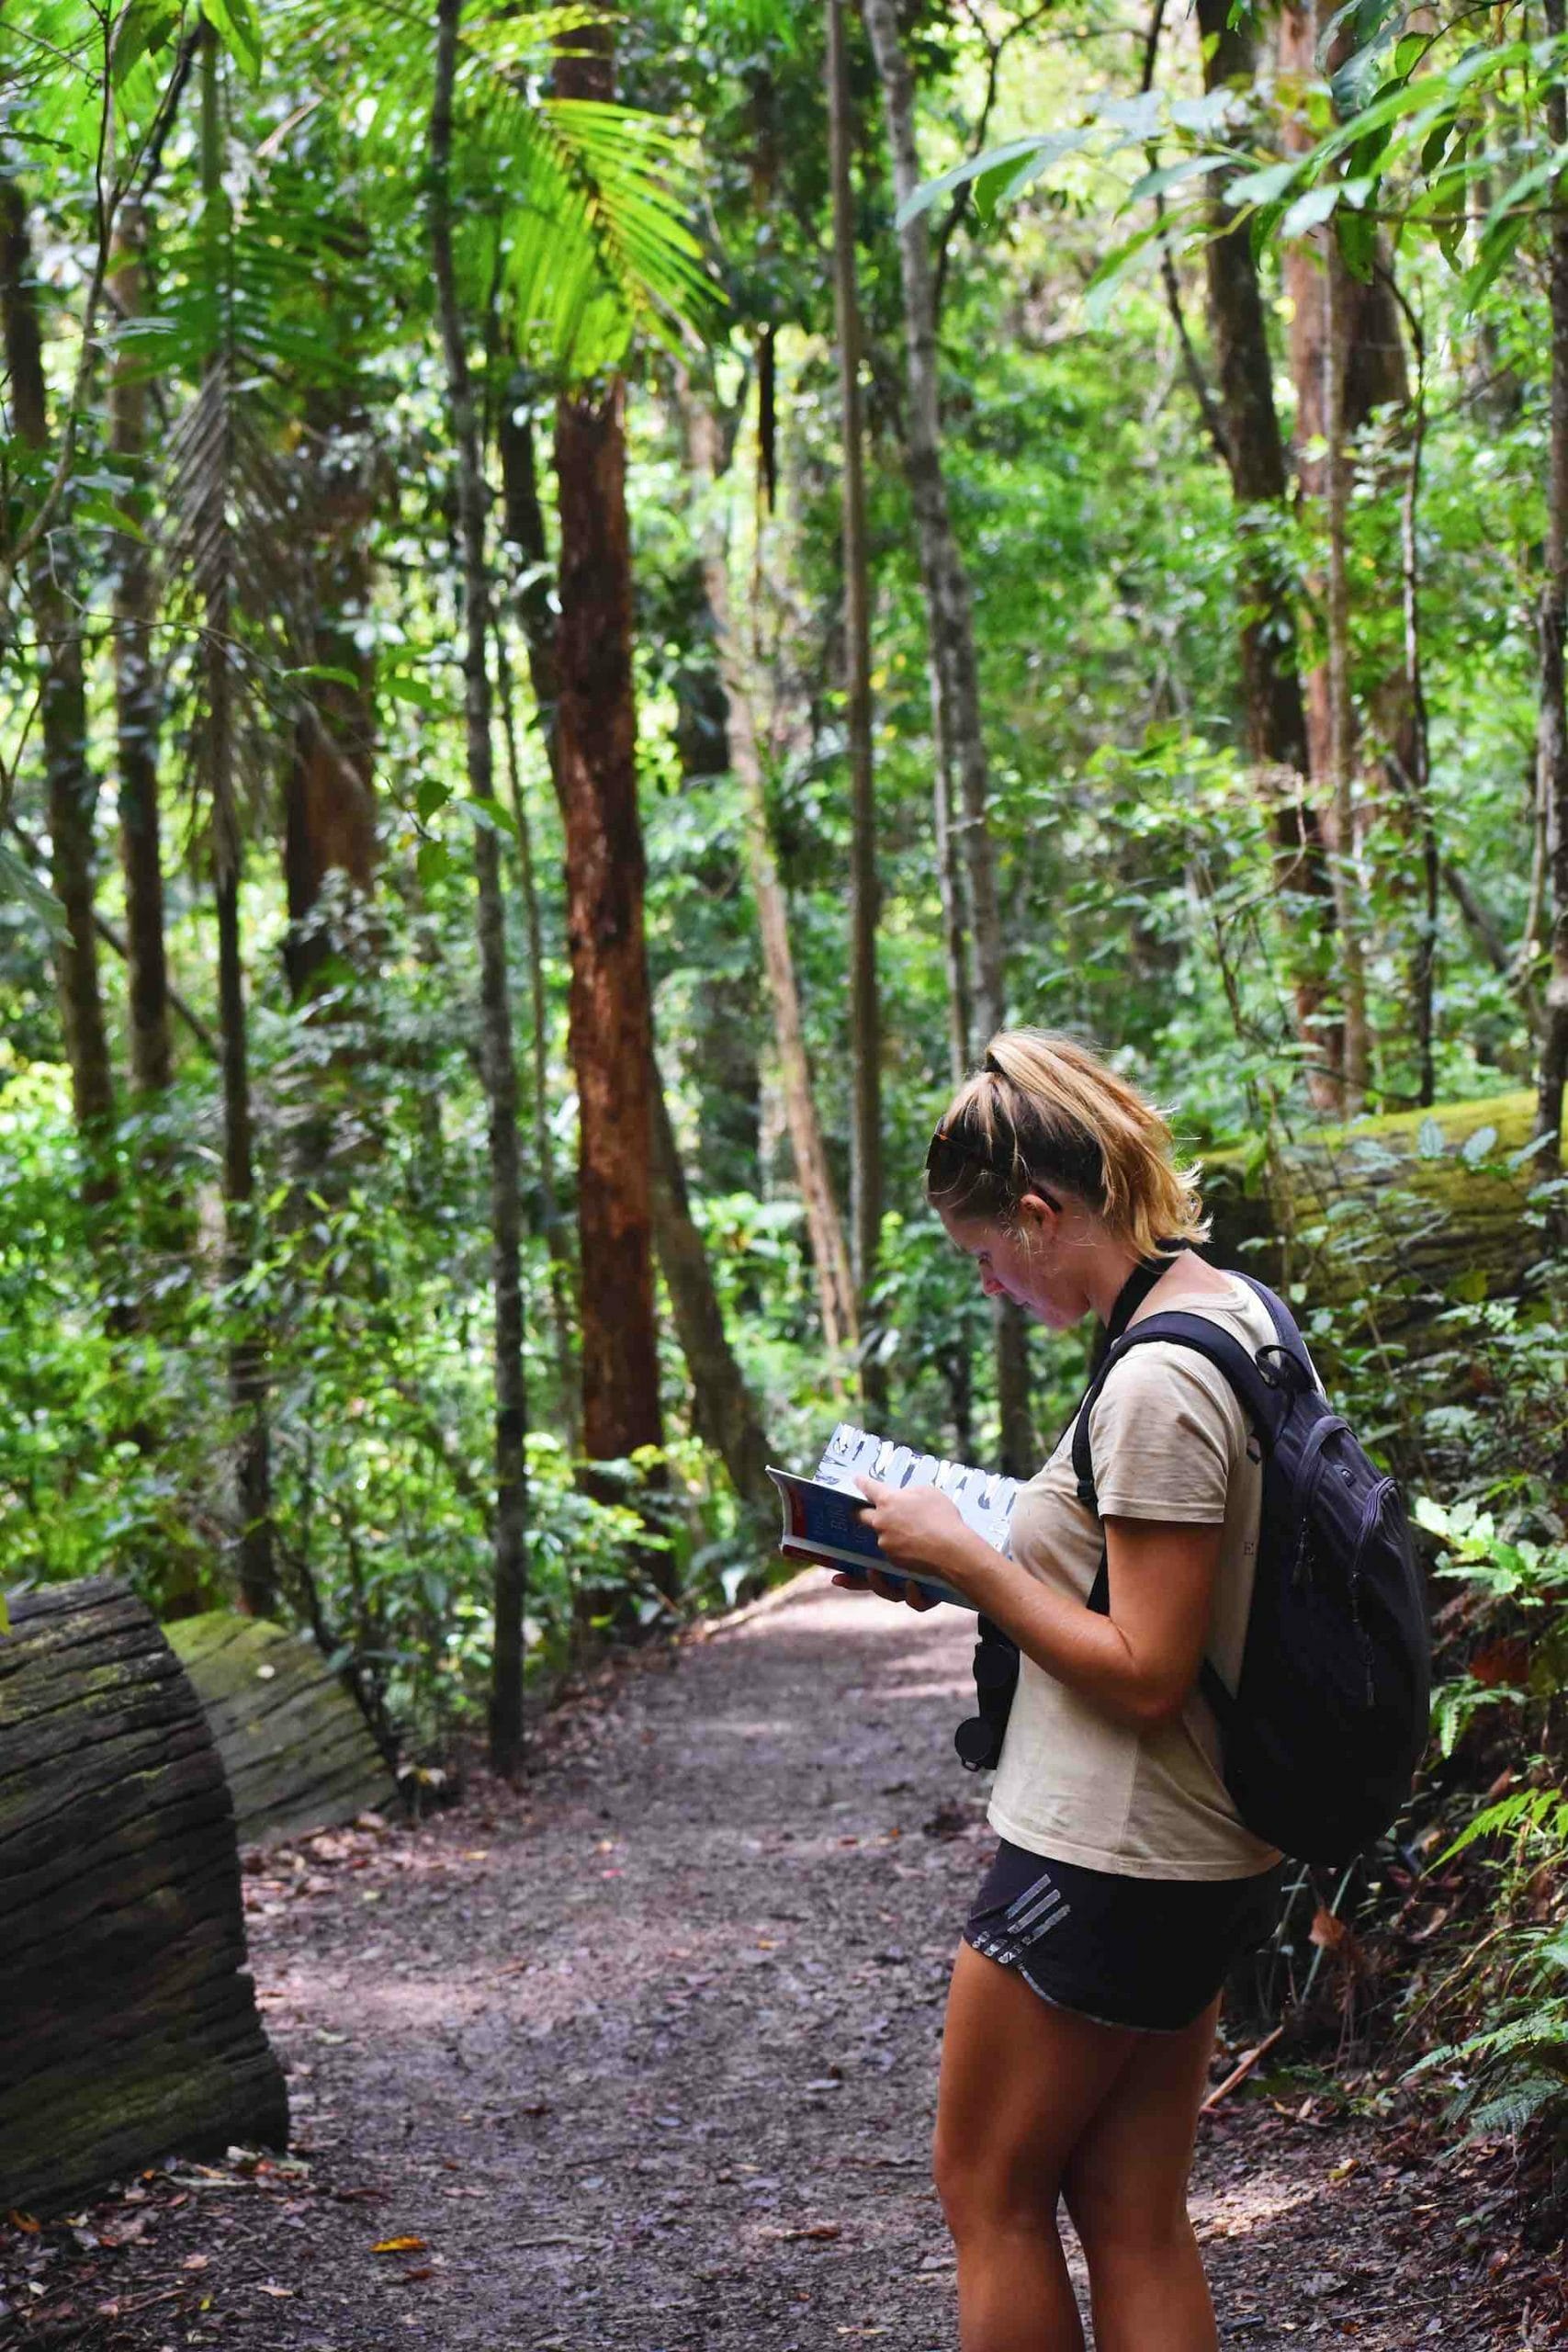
(644, 2060)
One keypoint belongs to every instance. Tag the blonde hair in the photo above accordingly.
(1044, 1112)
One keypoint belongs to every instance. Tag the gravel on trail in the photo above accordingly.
(642, 2058)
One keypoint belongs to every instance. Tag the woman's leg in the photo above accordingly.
(1020, 2081)
(1126, 2189)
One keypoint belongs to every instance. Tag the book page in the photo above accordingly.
(984, 1498)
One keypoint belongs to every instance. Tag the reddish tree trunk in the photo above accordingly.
(611, 1025)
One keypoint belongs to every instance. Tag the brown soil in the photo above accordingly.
(642, 2059)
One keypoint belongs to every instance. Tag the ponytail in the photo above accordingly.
(1044, 1112)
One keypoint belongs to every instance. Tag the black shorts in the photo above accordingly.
(1149, 1952)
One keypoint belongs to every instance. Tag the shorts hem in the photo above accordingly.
(1076, 2009)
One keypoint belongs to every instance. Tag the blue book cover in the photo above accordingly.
(822, 1514)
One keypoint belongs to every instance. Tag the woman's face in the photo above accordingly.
(1025, 1261)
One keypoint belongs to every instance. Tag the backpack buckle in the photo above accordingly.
(1280, 1368)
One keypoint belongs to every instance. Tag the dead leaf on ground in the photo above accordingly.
(399, 2246)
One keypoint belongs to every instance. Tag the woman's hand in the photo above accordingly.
(917, 1528)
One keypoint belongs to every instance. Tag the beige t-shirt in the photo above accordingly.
(1170, 1443)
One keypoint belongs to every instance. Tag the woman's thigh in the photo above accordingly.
(1020, 2081)
(1127, 2177)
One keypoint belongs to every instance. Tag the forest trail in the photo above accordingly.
(643, 2059)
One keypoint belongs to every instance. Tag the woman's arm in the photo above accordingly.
(1139, 1663)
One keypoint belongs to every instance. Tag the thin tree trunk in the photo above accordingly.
(723, 1410)
(72, 790)
(1346, 864)
(138, 714)
(562, 1300)
(506, 1729)
(1416, 781)
(835, 1287)
(1277, 734)
(328, 797)
(249, 1385)
(611, 1026)
(525, 528)
(1552, 738)
(959, 735)
(865, 1016)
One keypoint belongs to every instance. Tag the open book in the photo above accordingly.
(822, 1514)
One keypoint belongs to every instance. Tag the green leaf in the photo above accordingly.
(1477, 1146)
(18, 880)
(431, 797)
(433, 862)
(1027, 156)
(238, 27)
(141, 30)
(404, 688)
(1430, 1141)
(1310, 210)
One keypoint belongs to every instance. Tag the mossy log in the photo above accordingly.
(127, 2022)
(1389, 1218)
(297, 1749)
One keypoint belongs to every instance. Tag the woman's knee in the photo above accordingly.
(1112, 2215)
(980, 2190)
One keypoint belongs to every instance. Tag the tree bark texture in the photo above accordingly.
(865, 1015)
(127, 2022)
(977, 1000)
(610, 1020)
(136, 703)
(71, 789)
(1552, 738)
(1277, 734)
(510, 1569)
(835, 1287)
(329, 796)
(723, 1410)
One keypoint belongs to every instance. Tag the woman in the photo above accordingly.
(1082, 2010)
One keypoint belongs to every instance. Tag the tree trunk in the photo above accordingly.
(959, 736)
(1348, 885)
(247, 1354)
(562, 1288)
(136, 710)
(611, 1024)
(62, 718)
(329, 795)
(610, 1013)
(1551, 739)
(1277, 733)
(722, 1408)
(865, 1016)
(835, 1287)
(500, 1069)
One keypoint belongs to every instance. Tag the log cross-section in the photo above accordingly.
(293, 1744)
(128, 2021)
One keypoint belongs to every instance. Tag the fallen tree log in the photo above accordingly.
(1389, 1220)
(298, 1752)
(127, 2022)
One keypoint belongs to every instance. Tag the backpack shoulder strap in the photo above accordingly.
(1260, 1400)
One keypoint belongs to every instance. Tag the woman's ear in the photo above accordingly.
(1038, 1217)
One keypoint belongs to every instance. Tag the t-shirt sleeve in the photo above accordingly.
(1167, 1434)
